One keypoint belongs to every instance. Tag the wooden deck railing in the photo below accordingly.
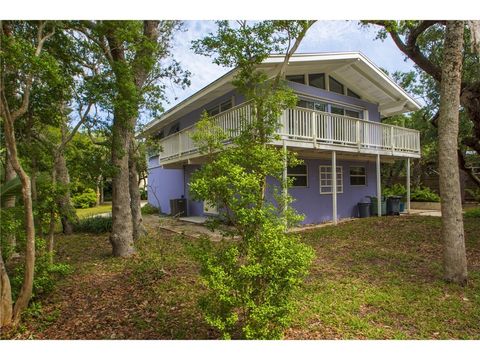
(308, 128)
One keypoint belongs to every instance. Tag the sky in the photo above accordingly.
(323, 36)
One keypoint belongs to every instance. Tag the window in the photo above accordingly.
(226, 105)
(358, 175)
(217, 109)
(299, 175)
(296, 78)
(316, 80)
(313, 105)
(336, 86)
(174, 129)
(337, 110)
(352, 113)
(352, 94)
(326, 184)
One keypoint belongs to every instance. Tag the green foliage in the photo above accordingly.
(85, 200)
(46, 273)
(472, 213)
(251, 279)
(149, 209)
(424, 194)
(94, 224)
(395, 190)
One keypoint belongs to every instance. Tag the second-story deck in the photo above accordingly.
(305, 129)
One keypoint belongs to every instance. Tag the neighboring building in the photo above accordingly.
(342, 98)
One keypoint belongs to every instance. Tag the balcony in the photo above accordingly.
(306, 129)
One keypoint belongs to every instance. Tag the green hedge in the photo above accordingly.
(94, 224)
(85, 200)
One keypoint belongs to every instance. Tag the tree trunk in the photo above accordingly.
(10, 201)
(67, 213)
(121, 237)
(455, 261)
(27, 286)
(135, 203)
(5, 295)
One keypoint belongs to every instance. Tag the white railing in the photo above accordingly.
(309, 127)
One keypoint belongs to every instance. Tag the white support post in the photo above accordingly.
(408, 185)
(285, 178)
(379, 188)
(314, 129)
(334, 186)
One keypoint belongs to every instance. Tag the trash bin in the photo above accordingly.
(393, 205)
(178, 207)
(402, 206)
(363, 209)
(374, 206)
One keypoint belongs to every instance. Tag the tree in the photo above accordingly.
(422, 42)
(22, 62)
(455, 261)
(133, 51)
(251, 281)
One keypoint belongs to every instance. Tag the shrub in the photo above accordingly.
(424, 194)
(85, 200)
(395, 190)
(472, 213)
(149, 209)
(143, 194)
(46, 273)
(94, 224)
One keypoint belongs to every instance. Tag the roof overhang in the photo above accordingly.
(353, 69)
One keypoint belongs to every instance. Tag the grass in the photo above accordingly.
(372, 279)
(84, 213)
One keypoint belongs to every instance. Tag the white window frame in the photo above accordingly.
(357, 176)
(329, 172)
(300, 175)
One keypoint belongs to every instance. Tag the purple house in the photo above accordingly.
(336, 129)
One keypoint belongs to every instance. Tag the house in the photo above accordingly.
(336, 129)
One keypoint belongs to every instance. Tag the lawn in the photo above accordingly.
(83, 213)
(372, 279)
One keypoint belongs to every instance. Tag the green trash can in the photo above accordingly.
(374, 206)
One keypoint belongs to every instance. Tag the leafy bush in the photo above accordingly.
(46, 274)
(149, 209)
(94, 224)
(143, 194)
(472, 213)
(85, 200)
(424, 194)
(395, 190)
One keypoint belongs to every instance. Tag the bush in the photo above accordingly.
(149, 209)
(94, 224)
(85, 200)
(143, 194)
(472, 213)
(46, 274)
(395, 190)
(424, 194)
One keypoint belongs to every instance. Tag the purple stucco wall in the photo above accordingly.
(195, 208)
(163, 185)
(317, 207)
